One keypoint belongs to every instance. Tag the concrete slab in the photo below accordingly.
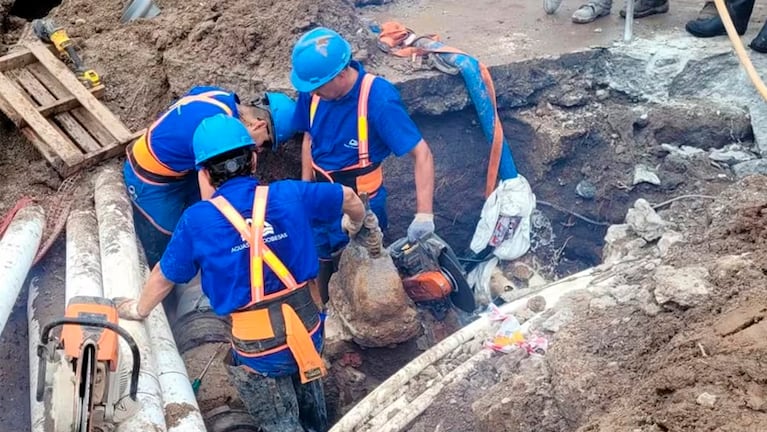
(500, 32)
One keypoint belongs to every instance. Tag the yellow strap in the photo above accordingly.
(363, 158)
(259, 252)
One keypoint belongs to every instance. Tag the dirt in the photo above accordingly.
(174, 413)
(618, 368)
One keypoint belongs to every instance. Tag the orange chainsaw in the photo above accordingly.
(432, 274)
(85, 362)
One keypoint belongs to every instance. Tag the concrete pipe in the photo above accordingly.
(17, 250)
(122, 277)
(40, 310)
(83, 255)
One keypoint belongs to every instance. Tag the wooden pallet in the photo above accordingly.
(63, 120)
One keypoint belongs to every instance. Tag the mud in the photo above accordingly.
(174, 413)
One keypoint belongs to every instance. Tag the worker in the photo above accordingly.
(594, 9)
(159, 168)
(252, 246)
(352, 121)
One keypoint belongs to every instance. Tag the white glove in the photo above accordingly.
(423, 224)
(351, 227)
(128, 309)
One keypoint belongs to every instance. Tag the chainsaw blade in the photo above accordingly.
(84, 388)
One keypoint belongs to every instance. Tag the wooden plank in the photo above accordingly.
(67, 103)
(16, 59)
(95, 127)
(37, 90)
(38, 123)
(46, 151)
(49, 81)
(68, 79)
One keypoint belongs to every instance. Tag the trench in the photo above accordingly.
(32, 9)
(575, 138)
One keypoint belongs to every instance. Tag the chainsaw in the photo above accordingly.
(49, 32)
(87, 356)
(431, 274)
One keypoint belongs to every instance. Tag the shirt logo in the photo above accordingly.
(352, 144)
(268, 235)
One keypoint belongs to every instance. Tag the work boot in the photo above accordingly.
(708, 11)
(645, 8)
(591, 11)
(759, 44)
(551, 6)
(740, 13)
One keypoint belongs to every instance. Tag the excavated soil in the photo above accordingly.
(618, 368)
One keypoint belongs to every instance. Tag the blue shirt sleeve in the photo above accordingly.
(324, 202)
(301, 114)
(392, 122)
(177, 263)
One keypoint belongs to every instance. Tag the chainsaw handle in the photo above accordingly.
(42, 349)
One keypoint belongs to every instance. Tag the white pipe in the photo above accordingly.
(182, 413)
(380, 398)
(122, 277)
(83, 255)
(628, 29)
(36, 409)
(17, 251)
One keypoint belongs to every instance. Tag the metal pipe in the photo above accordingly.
(629, 26)
(17, 251)
(122, 277)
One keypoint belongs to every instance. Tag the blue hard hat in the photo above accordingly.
(281, 109)
(217, 135)
(318, 56)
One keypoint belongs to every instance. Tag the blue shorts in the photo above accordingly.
(158, 208)
(330, 238)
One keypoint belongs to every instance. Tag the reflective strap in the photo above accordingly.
(142, 150)
(252, 325)
(363, 158)
(310, 364)
(259, 252)
(370, 183)
(362, 121)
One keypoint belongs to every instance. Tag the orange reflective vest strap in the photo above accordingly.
(310, 364)
(141, 154)
(362, 121)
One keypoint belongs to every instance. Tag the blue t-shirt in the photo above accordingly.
(205, 240)
(171, 139)
(334, 130)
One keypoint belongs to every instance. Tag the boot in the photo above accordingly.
(740, 12)
(759, 44)
(591, 11)
(645, 8)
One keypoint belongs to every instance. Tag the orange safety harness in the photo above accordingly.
(398, 40)
(364, 176)
(271, 322)
(143, 159)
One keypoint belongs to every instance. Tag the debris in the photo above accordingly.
(752, 167)
(686, 287)
(706, 399)
(644, 221)
(643, 174)
(731, 155)
(668, 239)
(536, 304)
(585, 189)
(558, 320)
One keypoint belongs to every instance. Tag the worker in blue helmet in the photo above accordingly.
(253, 247)
(159, 168)
(352, 121)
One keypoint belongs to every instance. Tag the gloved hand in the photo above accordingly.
(350, 226)
(370, 221)
(423, 224)
(127, 308)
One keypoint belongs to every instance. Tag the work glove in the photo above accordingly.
(423, 224)
(370, 221)
(127, 308)
(350, 226)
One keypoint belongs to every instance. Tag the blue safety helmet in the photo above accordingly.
(318, 56)
(217, 135)
(281, 109)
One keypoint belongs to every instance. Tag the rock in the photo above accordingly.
(602, 94)
(644, 221)
(684, 151)
(557, 321)
(706, 399)
(602, 303)
(686, 287)
(625, 293)
(668, 239)
(368, 295)
(522, 271)
(585, 189)
(731, 155)
(536, 303)
(616, 233)
(643, 174)
(337, 337)
(642, 121)
(752, 167)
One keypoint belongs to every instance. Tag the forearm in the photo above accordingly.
(424, 178)
(353, 205)
(155, 290)
(307, 172)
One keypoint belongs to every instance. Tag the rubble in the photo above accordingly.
(687, 286)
